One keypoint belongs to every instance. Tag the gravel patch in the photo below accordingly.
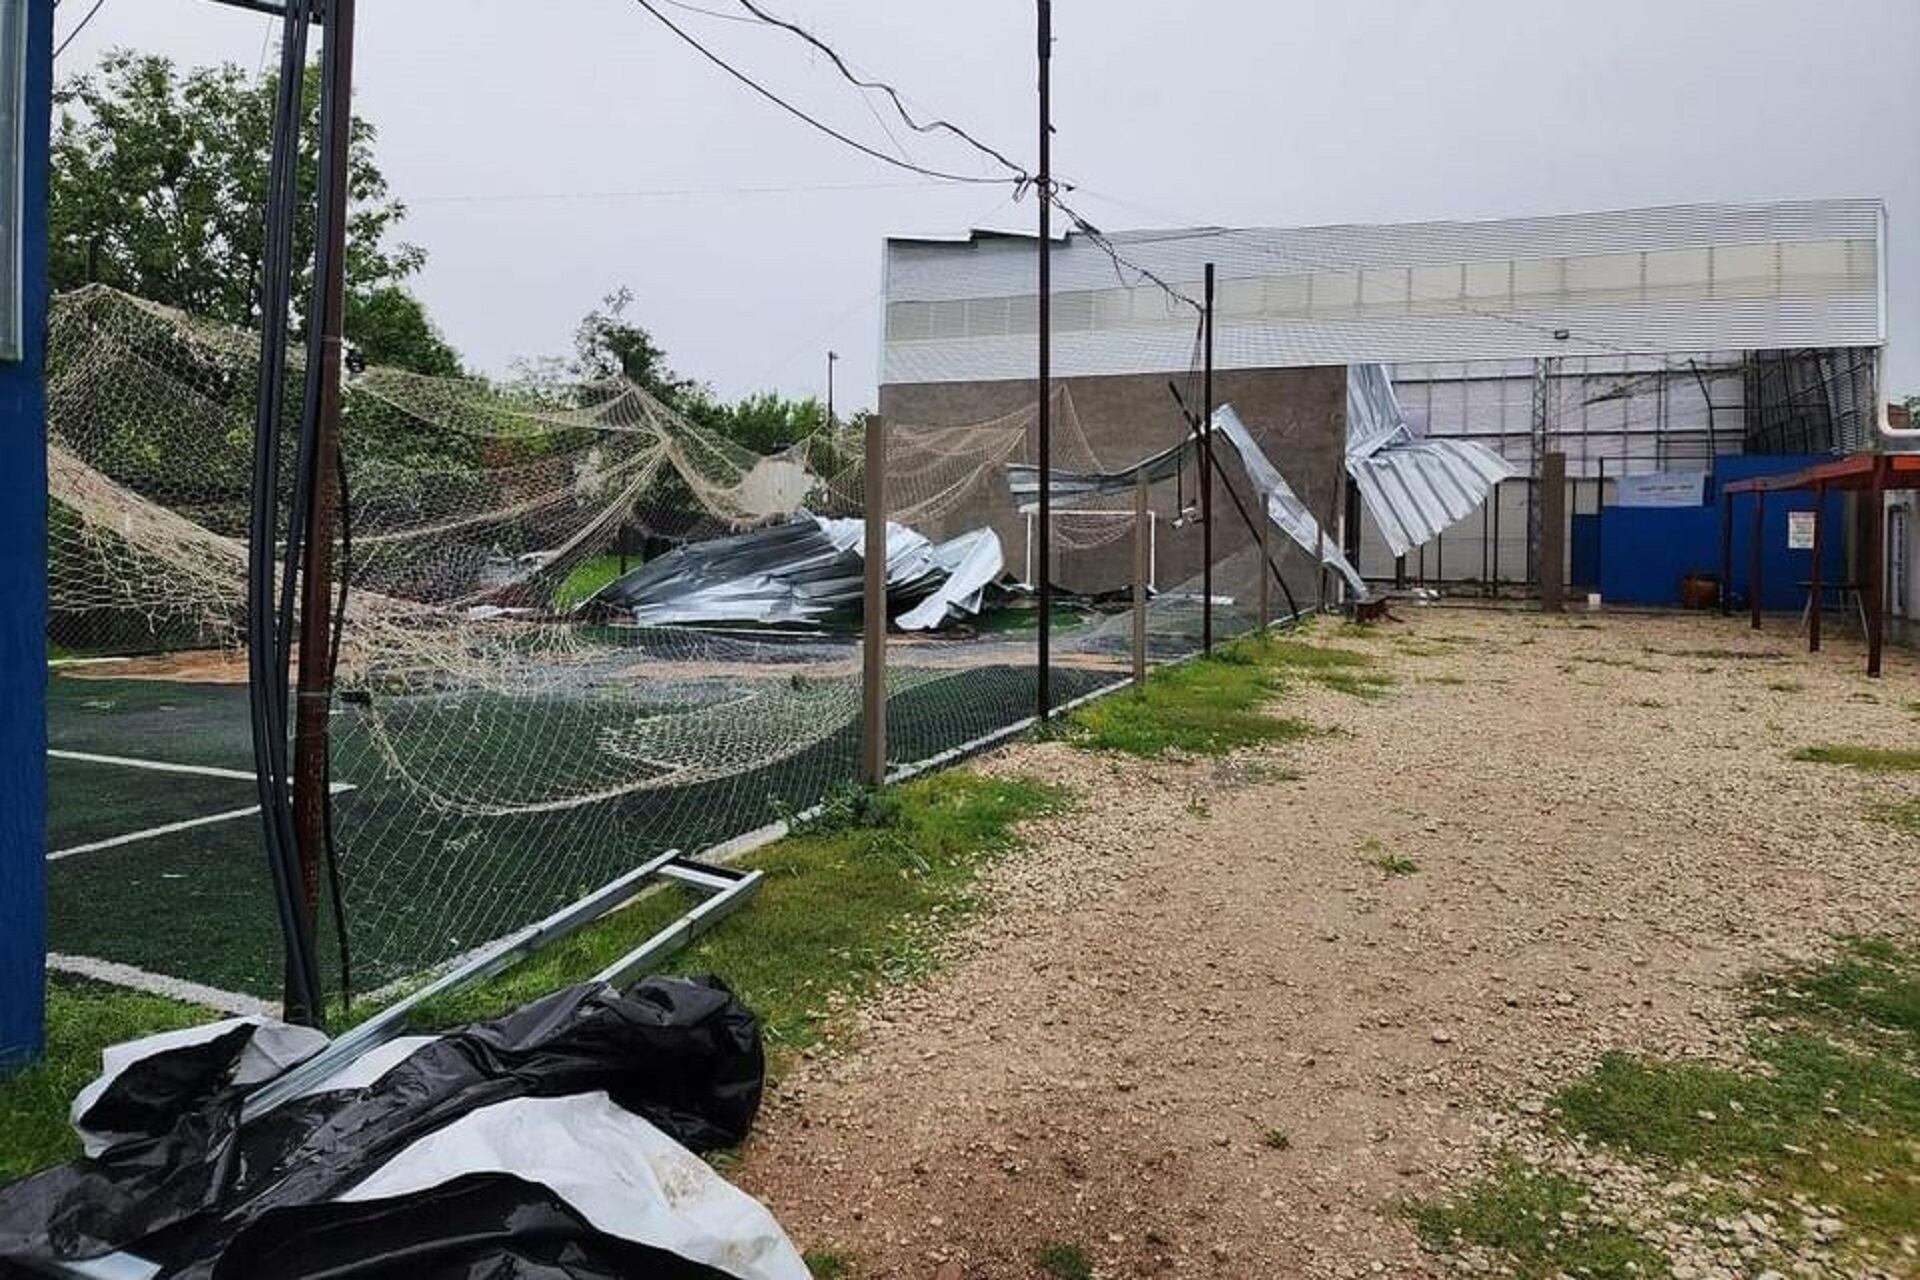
(1217, 1038)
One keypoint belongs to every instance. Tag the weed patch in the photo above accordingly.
(1064, 1261)
(1869, 759)
(1541, 1222)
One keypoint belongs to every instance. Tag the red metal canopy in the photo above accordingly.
(1855, 471)
(1872, 473)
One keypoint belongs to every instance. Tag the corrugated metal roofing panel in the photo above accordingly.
(1649, 281)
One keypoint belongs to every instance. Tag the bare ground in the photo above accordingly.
(1608, 833)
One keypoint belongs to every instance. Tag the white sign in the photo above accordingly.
(1662, 489)
(1799, 530)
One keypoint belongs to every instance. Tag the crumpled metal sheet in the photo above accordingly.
(801, 572)
(1069, 487)
(972, 562)
(1414, 488)
(1284, 508)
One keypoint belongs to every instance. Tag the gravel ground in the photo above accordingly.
(1204, 959)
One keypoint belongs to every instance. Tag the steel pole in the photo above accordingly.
(1877, 566)
(1043, 680)
(1814, 599)
(1726, 554)
(1754, 554)
(1206, 483)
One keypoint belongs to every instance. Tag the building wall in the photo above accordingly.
(1298, 416)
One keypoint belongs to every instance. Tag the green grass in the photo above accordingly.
(1824, 1116)
(842, 910)
(1785, 686)
(825, 1265)
(1218, 704)
(588, 577)
(1002, 621)
(1903, 815)
(1870, 759)
(1064, 1261)
(1541, 1222)
(1828, 1114)
(1276, 1140)
(82, 1019)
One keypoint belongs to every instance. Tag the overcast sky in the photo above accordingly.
(553, 151)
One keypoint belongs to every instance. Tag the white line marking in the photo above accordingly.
(84, 662)
(167, 829)
(163, 766)
(125, 975)
(153, 832)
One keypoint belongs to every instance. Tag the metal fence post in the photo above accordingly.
(1266, 565)
(1142, 533)
(873, 664)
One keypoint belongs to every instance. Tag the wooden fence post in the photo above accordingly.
(873, 665)
(1142, 532)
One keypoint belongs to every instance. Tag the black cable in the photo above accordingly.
(267, 674)
(801, 115)
(1106, 246)
(840, 64)
(78, 28)
(1016, 173)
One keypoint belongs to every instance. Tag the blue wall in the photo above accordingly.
(1646, 551)
(23, 589)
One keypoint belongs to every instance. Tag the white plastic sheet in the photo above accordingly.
(621, 1174)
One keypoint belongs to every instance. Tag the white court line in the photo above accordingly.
(153, 832)
(125, 975)
(167, 829)
(162, 766)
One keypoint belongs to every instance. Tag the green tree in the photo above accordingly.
(159, 186)
(768, 422)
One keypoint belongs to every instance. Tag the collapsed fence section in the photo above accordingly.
(580, 630)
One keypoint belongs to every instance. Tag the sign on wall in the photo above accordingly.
(13, 110)
(1662, 489)
(1799, 530)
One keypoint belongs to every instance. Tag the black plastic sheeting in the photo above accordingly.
(204, 1197)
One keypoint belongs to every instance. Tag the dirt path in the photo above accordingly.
(1204, 957)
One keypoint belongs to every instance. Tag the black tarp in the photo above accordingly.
(681, 1053)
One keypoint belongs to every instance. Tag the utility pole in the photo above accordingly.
(1044, 186)
(1206, 483)
(833, 358)
(313, 703)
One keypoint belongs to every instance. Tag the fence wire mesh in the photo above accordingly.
(509, 732)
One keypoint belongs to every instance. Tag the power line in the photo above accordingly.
(813, 121)
(881, 86)
(1018, 174)
(663, 193)
(78, 28)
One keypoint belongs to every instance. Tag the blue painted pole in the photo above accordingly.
(23, 581)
